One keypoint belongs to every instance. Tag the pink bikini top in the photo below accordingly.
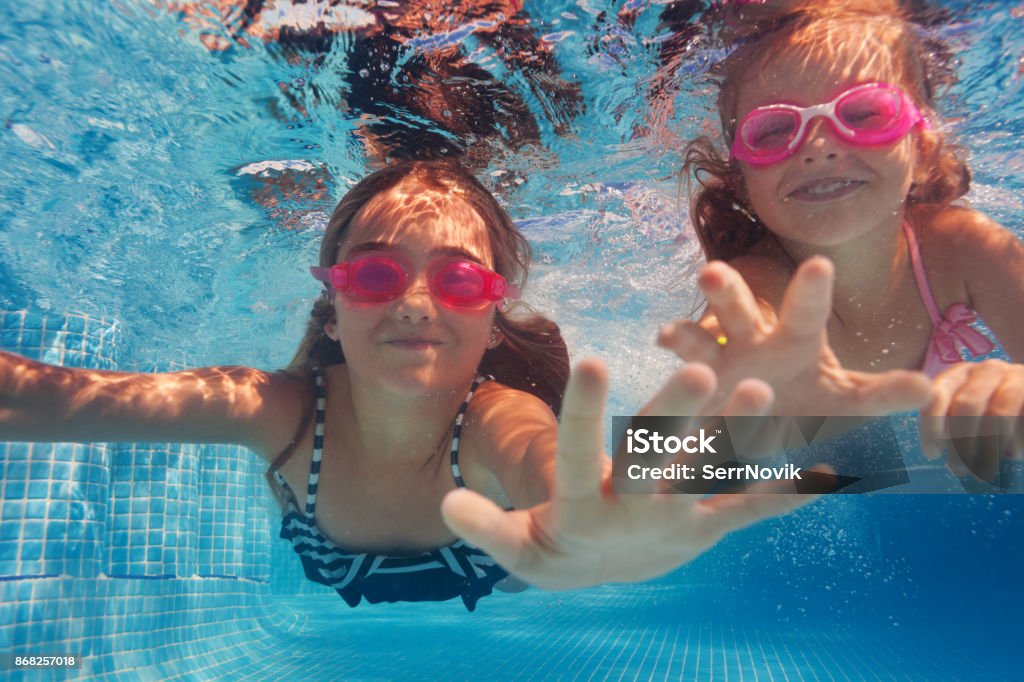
(951, 331)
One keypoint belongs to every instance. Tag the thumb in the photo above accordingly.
(893, 391)
(484, 524)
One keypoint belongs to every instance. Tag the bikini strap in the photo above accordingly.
(273, 474)
(318, 442)
(919, 275)
(318, 438)
(457, 433)
(307, 415)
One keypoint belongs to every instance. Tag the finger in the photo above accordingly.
(988, 445)
(754, 437)
(689, 341)
(935, 423)
(807, 303)
(683, 394)
(957, 466)
(730, 299)
(934, 427)
(579, 462)
(1008, 402)
(751, 398)
(970, 433)
(893, 391)
(482, 523)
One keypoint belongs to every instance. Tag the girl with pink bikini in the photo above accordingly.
(837, 173)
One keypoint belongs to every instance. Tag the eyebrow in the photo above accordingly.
(454, 251)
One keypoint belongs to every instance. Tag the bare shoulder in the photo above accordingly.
(512, 437)
(956, 231)
(967, 244)
(284, 399)
(972, 258)
(498, 412)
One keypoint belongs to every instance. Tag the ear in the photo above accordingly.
(331, 328)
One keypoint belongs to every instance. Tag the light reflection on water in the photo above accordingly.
(123, 191)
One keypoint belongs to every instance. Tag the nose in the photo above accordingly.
(416, 304)
(821, 142)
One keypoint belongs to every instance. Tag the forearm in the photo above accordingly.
(40, 402)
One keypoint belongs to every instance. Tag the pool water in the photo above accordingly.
(147, 222)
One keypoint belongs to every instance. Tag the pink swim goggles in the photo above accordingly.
(864, 115)
(379, 278)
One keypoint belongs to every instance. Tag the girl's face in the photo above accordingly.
(414, 344)
(829, 191)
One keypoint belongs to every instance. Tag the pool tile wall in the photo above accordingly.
(121, 552)
(154, 524)
(55, 496)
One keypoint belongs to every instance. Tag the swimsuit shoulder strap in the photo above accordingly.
(307, 415)
(273, 474)
(919, 275)
(318, 441)
(457, 433)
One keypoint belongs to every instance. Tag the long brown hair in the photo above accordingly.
(532, 356)
(726, 225)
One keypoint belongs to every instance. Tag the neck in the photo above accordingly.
(390, 425)
(870, 269)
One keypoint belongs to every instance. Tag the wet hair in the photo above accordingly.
(726, 225)
(532, 355)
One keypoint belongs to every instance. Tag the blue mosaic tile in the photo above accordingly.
(14, 489)
(10, 339)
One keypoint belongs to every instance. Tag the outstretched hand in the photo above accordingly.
(789, 351)
(586, 534)
(976, 416)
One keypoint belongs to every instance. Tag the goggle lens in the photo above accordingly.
(869, 114)
(771, 130)
(872, 110)
(460, 284)
(374, 278)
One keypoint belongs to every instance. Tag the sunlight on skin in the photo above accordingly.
(410, 203)
(90, 401)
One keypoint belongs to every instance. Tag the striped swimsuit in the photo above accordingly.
(456, 570)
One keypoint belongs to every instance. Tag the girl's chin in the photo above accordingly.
(425, 382)
(826, 230)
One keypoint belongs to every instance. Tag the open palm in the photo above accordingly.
(790, 350)
(587, 534)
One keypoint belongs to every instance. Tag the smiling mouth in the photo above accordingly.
(826, 189)
(413, 343)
